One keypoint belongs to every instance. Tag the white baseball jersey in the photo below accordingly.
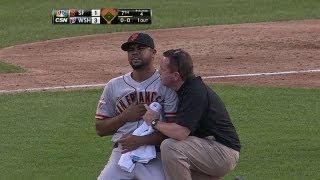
(121, 91)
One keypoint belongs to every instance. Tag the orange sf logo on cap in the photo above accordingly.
(134, 37)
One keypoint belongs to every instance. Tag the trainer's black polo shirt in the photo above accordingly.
(202, 111)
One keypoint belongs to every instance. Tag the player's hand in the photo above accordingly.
(134, 112)
(150, 115)
(130, 142)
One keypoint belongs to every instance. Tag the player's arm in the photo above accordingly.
(131, 142)
(108, 121)
(152, 139)
(109, 126)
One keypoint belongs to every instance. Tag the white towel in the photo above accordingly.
(125, 162)
(144, 153)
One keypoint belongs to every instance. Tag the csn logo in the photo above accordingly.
(62, 13)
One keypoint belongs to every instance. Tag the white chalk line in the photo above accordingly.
(53, 88)
(206, 77)
(262, 74)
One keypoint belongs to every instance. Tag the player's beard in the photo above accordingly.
(138, 64)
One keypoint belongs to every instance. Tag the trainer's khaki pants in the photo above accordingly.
(197, 159)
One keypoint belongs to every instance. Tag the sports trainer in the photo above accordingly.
(203, 143)
(121, 107)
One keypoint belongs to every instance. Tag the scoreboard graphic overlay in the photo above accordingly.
(101, 16)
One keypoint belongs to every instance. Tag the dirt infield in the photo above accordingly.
(216, 50)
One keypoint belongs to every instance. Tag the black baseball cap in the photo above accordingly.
(138, 38)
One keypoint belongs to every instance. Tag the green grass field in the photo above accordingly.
(28, 21)
(51, 135)
(9, 68)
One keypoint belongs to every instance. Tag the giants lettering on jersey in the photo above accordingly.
(143, 97)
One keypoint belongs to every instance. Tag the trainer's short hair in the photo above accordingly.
(180, 61)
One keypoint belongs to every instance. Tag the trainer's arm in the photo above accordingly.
(131, 142)
(173, 130)
(157, 137)
(169, 128)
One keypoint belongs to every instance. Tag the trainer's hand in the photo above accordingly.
(134, 112)
(150, 115)
(130, 142)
